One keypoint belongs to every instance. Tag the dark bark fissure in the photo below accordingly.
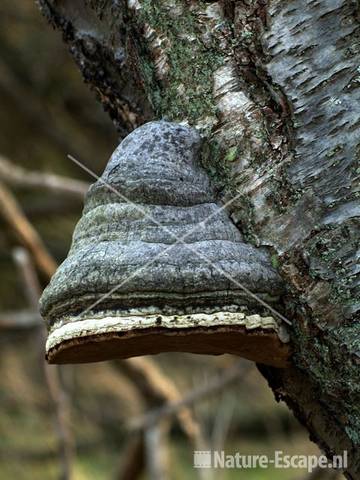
(274, 86)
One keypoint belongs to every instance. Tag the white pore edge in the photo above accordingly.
(108, 322)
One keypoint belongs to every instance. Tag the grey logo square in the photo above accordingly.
(202, 459)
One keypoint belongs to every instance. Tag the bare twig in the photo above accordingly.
(222, 423)
(156, 451)
(28, 275)
(27, 235)
(56, 392)
(133, 463)
(17, 176)
(22, 319)
(158, 390)
(173, 405)
(217, 384)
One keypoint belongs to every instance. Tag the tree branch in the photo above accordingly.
(56, 392)
(157, 389)
(17, 176)
(214, 386)
(22, 319)
(25, 232)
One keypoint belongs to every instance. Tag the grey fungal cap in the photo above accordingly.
(148, 256)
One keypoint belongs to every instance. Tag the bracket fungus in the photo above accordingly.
(156, 265)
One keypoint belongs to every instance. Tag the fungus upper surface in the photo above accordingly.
(152, 232)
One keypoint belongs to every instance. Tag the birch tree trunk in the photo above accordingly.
(274, 87)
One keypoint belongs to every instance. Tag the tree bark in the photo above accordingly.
(274, 88)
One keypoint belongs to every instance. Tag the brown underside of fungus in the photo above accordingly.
(156, 265)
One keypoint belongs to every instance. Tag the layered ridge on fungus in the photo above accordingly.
(156, 265)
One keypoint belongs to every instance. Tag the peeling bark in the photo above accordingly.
(274, 87)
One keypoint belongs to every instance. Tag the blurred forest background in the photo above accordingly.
(93, 427)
